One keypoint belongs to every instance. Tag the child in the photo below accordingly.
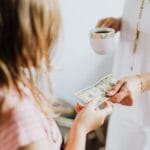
(28, 31)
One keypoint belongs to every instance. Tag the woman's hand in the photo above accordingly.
(126, 91)
(91, 117)
(110, 22)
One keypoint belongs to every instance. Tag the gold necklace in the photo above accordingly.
(137, 34)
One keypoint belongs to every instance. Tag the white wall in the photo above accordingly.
(77, 66)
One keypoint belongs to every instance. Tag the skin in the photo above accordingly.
(89, 117)
(129, 88)
(125, 92)
(110, 22)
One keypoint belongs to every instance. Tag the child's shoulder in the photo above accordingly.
(11, 103)
(26, 124)
(23, 125)
(8, 102)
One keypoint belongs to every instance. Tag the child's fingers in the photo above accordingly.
(107, 110)
(128, 101)
(79, 107)
(106, 103)
(93, 103)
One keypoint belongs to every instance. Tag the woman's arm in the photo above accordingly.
(128, 89)
(145, 81)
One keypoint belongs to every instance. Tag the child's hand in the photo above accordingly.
(79, 107)
(90, 117)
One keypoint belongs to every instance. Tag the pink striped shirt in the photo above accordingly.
(27, 125)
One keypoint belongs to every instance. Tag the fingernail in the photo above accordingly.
(105, 104)
(112, 100)
(110, 93)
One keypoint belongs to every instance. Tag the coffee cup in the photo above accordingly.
(102, 40)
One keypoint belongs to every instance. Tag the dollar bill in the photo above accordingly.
(97, 91)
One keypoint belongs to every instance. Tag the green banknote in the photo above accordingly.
(98, 90)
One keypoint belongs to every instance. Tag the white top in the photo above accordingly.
(129, 127)
(140, 61)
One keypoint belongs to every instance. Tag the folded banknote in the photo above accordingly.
(98, 90)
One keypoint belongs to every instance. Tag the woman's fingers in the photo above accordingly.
(110, 22)
(100, 23)
(106, 23)
(115, 26)
(116, 88)
(122, 94)
(128, 101)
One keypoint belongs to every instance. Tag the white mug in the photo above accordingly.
(102, 40)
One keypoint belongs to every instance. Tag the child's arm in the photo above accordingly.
(77, 138)
(88, 119)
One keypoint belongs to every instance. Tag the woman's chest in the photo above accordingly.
(137, 12)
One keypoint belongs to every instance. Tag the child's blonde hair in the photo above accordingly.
(28, 31)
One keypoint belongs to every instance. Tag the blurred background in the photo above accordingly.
(76, 66)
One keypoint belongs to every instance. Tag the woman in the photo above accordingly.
(129, 127)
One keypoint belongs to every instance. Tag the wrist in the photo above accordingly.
(140, 82)
(145, 77)
(79, 127)
(77, 137)
(145, 81)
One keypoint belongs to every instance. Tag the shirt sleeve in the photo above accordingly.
(23, 128)
(29, 125)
